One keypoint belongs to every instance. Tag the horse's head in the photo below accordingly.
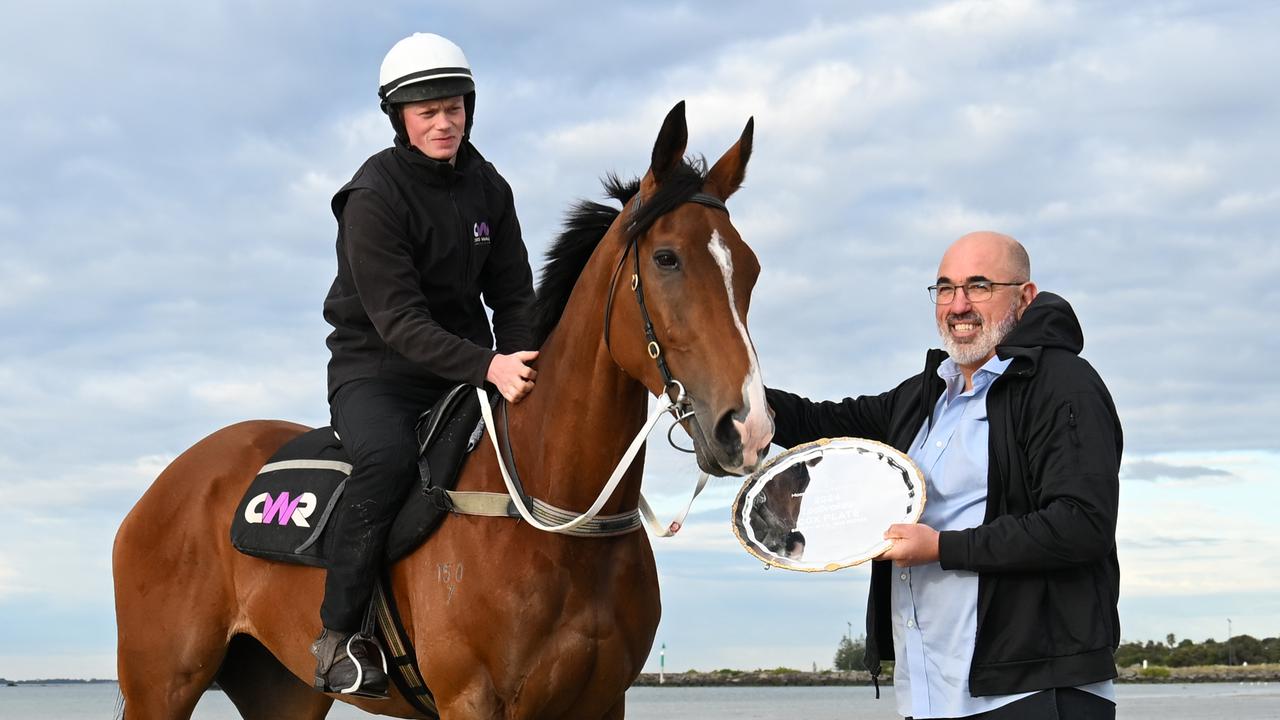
(678, 310)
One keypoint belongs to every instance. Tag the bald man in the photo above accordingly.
(1001, 602)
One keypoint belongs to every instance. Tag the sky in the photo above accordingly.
(167, 242)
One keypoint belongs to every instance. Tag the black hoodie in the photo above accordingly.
(419, 243)
(1048, 575)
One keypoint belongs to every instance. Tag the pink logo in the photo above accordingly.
(282, 506)
(263, 509)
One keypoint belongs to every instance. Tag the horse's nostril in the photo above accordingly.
(726, 432)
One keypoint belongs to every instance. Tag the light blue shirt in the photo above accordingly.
(935, 611)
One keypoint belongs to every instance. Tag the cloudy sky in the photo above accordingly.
(164, 187)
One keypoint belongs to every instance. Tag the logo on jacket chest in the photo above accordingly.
(480, 234)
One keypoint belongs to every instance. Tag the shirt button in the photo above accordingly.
(903, 576)
(939, 443)
(911, 623)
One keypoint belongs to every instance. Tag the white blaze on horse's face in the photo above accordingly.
(756, 430)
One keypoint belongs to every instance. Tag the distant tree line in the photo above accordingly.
(1174, 653)
(1170, 653)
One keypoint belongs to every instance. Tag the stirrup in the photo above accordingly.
(357, 688)
(326, 649)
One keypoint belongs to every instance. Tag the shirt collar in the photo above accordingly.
(949, 371)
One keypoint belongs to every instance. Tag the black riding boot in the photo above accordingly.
(350, 664)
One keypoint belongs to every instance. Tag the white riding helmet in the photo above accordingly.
(425, 66)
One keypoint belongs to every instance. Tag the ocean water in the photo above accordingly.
(1212, 701)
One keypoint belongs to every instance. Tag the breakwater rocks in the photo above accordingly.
(786, 677)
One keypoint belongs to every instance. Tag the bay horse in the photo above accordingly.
(507, 621)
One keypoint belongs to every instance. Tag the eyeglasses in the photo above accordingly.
(976, 291)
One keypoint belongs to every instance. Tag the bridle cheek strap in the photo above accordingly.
(637, 284)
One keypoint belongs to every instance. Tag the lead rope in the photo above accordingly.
(517, 499)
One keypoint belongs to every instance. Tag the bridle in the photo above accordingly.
(682, 407)
(544, 516)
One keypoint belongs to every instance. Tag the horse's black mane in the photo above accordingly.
(585, 226)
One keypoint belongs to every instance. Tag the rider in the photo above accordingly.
(425, 228)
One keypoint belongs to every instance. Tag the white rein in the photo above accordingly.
(606, 492)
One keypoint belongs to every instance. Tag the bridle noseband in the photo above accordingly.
(683, 407)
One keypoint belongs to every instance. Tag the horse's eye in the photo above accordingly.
(666, 259)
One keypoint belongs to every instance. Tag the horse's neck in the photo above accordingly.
(570, 432)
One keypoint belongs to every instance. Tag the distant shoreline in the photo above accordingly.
(785, 677)
(794, 678)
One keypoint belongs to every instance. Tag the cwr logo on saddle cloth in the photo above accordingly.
(288, 505)
(264, 509)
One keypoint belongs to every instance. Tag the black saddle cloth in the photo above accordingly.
(290, 502)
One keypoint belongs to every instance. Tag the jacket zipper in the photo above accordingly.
(1071, 425)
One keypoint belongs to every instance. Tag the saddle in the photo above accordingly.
(284, 513)
(287, 507)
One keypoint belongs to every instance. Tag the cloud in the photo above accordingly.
(1151, 470)
(1186, 532)
(8, 576)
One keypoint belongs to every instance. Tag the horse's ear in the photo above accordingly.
(727, 175)
(668, 151)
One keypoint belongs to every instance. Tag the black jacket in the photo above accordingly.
(1048, 577)
(419, 242)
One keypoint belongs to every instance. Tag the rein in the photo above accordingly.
(549, 518)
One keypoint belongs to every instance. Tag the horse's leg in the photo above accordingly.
(162, 676)
(263, 689)
(171, 624)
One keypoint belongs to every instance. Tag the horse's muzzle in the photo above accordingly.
(738, 444)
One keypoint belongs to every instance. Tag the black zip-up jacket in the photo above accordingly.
(1048, 576)
(419, 242)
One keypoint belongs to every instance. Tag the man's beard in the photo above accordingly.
(981, 345)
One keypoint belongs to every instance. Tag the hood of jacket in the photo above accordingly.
(1049, 322)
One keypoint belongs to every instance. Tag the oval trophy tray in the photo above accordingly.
(825, 505)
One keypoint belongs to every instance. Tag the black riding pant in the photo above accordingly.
(375, 420)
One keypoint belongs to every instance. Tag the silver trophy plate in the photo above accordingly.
(825, 505)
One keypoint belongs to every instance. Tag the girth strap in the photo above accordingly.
(404, 661)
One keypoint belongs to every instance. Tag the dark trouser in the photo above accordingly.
(1057, 704)
(375, 420)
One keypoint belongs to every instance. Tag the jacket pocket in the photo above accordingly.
(1069, 421)
(1073, 427)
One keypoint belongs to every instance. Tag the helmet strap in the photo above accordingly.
(395, 113)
